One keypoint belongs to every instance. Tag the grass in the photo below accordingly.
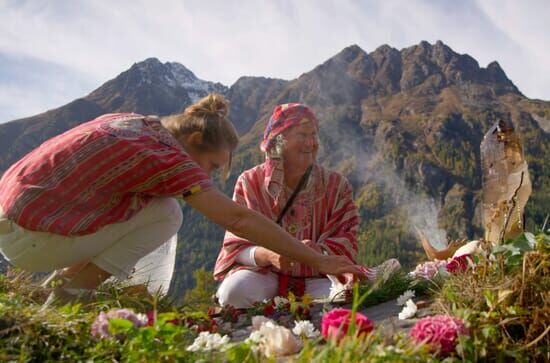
(504, 301)
(30, 333)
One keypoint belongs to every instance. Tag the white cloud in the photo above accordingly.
(527, 26)
(221, 40)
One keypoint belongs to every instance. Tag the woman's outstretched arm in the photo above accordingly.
(255, 227)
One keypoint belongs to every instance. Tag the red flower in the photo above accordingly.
(439, 331)
(459, 263)
(151, 319)
(230, 313)
(212, 312)
(269, 309)
(336, 323)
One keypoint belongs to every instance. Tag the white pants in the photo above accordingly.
(115, 248)
(243, 288)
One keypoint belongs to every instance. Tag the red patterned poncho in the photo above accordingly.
(323, 212)
(101, 172)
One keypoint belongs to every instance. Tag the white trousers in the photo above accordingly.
(243, 288)
(115, 248)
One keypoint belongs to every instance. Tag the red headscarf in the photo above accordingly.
(283, 117)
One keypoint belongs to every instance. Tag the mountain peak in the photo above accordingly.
(348, 54)
(149, 61)
(152, 70)
(384, 49)
(425, 60)
(148, 65)
(153, 87)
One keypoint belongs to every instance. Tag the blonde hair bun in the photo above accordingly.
(212, 105)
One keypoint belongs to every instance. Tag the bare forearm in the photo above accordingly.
(271, 238)
(252, 226)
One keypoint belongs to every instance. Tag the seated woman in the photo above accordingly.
(310, 202)
(94, 200)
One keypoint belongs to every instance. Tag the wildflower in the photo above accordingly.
(459, 263)
(440, 332)
(100, 327)
(305, 329)
(335, 324)
(307, 299)
(385, 268)
(258, 321)
(230, 314)
(280, 302)
(277, 340)
(269, 308)
(428, 270)
(272, 339)
(337, 289)
(207, 341)
(408, 311)
(401, 300)
(254, 337)
(291, 297)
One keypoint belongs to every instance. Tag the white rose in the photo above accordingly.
(258, 321)
(408, 311)
(278, 340)
(305, 329)
(207, 341)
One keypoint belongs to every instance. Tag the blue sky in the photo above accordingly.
(52, 52)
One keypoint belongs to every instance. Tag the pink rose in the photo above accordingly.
(439, 331)
(336, 323)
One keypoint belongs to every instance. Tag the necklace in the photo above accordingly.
(292, 228)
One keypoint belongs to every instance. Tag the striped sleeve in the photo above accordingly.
(339, 236)
(168, 171)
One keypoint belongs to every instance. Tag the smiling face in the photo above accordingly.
(301, 146)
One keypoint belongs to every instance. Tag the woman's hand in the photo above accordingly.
(281, 263)
(340, 266)
(265, 257)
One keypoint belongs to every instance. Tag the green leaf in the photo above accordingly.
(120, 325)
(238, 353)
(490, 299)
(530, 238)
(164, 317)
(503, 295)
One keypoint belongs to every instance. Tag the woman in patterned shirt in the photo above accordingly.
(322, 214)
(94, 200)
